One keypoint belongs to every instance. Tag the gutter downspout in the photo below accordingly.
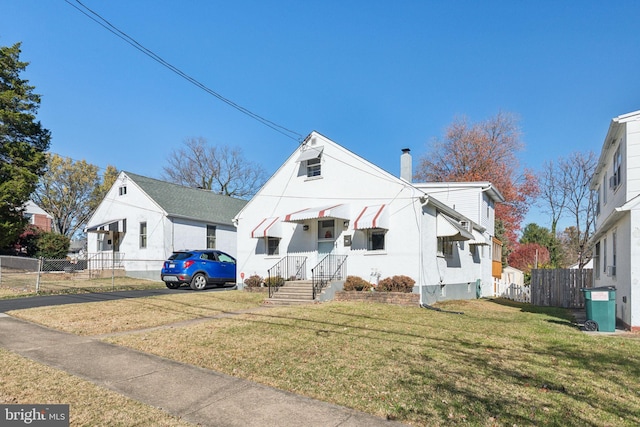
(424, 199)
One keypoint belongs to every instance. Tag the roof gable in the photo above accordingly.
(191, 203)
(340, 168)
(345, 177)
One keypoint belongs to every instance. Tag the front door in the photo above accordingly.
(326, 237)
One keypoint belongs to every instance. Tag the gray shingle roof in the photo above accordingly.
(186, 202)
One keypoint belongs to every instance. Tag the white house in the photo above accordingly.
(327, 211)
(141, 221)
(616, 242)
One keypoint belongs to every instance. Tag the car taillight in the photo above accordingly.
(188, 264)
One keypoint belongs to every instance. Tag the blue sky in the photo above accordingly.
(374, 76)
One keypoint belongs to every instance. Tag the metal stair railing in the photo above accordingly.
(332, 267)
(288, 268)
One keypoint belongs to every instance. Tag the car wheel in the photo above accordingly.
(199, 282)
(172, 285)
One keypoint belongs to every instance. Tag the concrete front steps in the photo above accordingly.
(292, 293)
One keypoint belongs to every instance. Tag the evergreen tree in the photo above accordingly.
(23, 143)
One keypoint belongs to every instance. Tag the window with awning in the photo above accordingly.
(311, 157)
(451, 229)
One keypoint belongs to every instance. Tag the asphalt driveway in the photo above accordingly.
(47, 300)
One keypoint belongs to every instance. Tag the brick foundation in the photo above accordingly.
(258, 289)
(398, 298)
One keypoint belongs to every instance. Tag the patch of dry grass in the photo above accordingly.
(495, 365)
(138, 313)
(23, 381)
(499, 363)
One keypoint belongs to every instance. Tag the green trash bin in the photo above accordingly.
(600, 304)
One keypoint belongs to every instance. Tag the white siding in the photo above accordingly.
(410, 242)
(632, 160)
(630, 283)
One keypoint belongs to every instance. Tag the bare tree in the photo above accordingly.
(578, 169)
(221, 169)
(553, 192)
(565, 192)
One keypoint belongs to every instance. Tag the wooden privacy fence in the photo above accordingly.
(560, 287)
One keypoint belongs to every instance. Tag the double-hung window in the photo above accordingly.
(313, 167)
(445, 246)
(375, 238)
(273, 244)
(143, 235)
(211, 236)
(616, 179)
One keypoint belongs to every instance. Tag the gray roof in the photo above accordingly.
(191, 203)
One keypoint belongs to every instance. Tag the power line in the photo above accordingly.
(94, 16)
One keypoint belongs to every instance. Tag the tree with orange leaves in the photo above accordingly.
(485, 151)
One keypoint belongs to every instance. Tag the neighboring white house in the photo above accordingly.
(141, 221)
(329, 209)
(511, 275)
(616, 242)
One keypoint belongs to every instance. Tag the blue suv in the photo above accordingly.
(198, 269)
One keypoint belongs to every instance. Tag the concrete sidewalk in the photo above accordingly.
(197, 395)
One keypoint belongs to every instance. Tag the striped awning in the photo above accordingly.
(372, 217)
(116, 225)
(448, 227)
(268, 227)
(332, 211)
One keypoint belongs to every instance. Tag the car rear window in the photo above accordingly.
(177, 256)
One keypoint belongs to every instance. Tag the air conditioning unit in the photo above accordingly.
(614, 181)
(611, 270)
(466, 225)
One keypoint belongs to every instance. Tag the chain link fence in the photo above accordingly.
(91, 273)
